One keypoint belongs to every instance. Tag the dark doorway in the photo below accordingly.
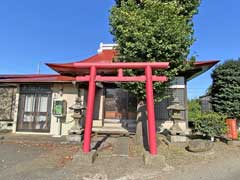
(119, 104)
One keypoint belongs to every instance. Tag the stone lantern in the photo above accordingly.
(76, 132)
(176, 109)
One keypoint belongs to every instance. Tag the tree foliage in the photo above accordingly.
(194, 109)
(150, 31)
(226, 88)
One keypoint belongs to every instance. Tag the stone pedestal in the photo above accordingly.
(75, 135)
(85, 158)
(74, 138)
(153, 160)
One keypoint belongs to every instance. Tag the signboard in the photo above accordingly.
(59, 108)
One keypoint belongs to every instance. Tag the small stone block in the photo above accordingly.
(86, 158)
(234, 143)
(155, 160)
(74, 138)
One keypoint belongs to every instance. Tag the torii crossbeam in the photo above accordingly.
(148, 78)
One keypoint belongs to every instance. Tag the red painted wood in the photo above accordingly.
(82, 78)
(36, 78)
(133, 65)
(121, 78)
(90, 109)
(159, 78)
(150, 109)
(120, 72)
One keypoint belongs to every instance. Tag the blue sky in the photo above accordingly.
(217, 29)
(64, 31)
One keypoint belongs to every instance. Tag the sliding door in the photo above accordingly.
(34, 108)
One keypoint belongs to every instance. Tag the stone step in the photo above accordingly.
(110, 130)
(112, 121)
(97, 123)
(116, 125)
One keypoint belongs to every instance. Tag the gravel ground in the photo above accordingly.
(25, 160)
(222, 163)
(28, 160)
(11, 154)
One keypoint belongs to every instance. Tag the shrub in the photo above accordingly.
(211, 124)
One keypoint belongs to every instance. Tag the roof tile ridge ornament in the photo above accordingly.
(103, 47)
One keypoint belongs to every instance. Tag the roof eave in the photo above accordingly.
(201, 67)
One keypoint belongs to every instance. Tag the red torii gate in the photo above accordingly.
(148, 78)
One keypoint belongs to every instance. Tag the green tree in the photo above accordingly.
(194, 109)
(226, 88)
(150, 31)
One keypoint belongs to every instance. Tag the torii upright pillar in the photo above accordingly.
(90, 109)
(150, 111)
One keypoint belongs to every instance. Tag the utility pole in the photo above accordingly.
(38, 68)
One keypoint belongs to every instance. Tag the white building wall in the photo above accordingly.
(69, 93)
